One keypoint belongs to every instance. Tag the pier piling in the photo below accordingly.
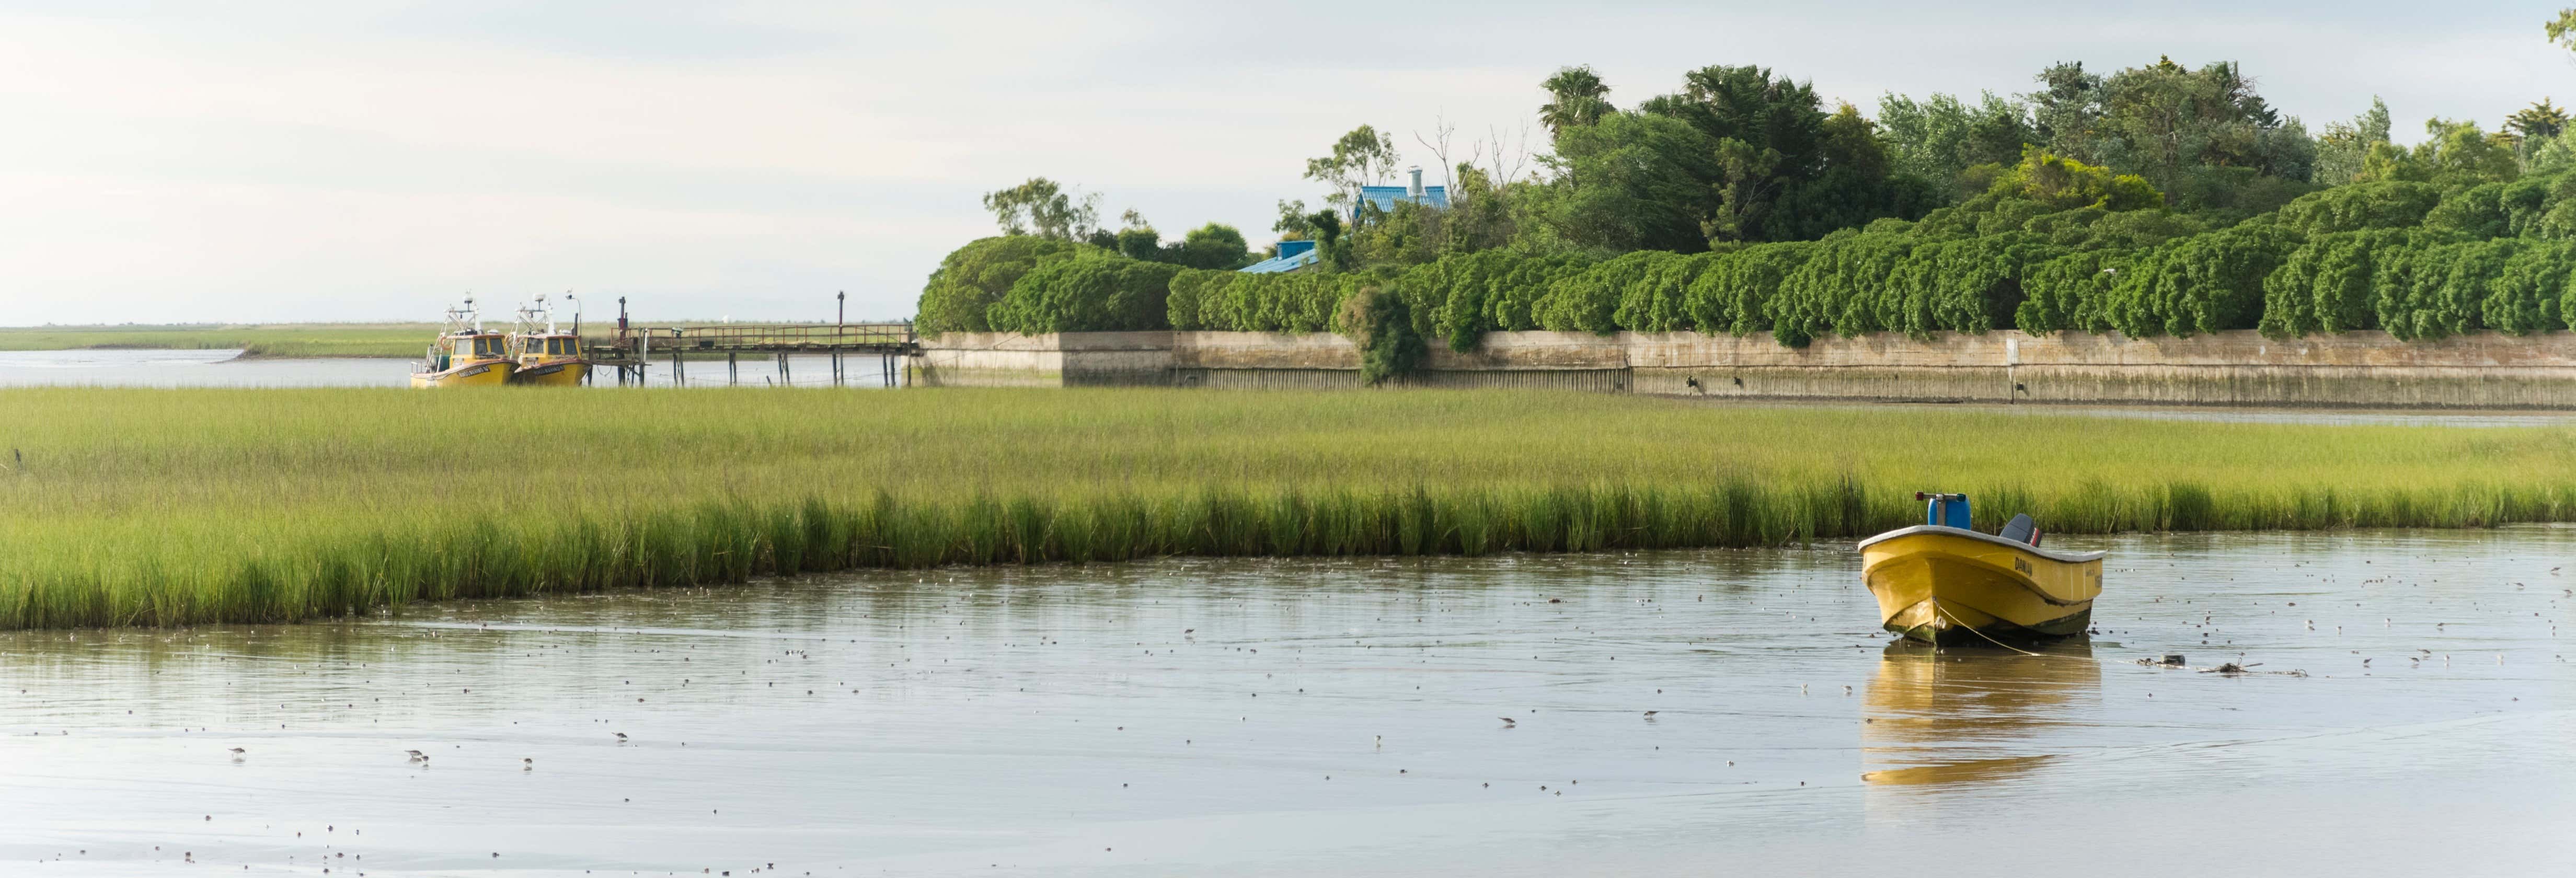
(632, 348)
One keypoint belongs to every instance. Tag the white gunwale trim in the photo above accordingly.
(2063, 557)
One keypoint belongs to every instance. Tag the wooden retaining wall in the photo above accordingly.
(2358, 369)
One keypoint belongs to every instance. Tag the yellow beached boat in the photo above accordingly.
(544, 356)
(1945, 584)
(465, 355)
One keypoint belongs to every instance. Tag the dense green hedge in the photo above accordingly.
(1257, 302)
(2409, 258)
(1086, 295)
(2418, 284)
(962, 292)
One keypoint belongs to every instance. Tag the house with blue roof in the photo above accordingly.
(1294, 255)
(1385, 198)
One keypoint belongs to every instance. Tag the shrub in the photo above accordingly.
(1514, 296)
(1188, 289)
(973, 277)
(2382, 205)
(2071, 292)
(1461, 285)
(1733, 293)
(1822, 296)
(2054, 182)
(1381, 323)
(1657, 300)
(1589, 301)
(1086, 295)
(1975, 285)
(2204, 283)
(2530, 293)
(2331, 283)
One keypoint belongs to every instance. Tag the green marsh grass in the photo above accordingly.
(170, 507)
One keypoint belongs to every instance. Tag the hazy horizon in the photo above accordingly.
(373, 162)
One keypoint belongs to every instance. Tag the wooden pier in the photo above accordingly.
(633, 348)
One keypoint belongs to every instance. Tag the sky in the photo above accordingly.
(255, 161)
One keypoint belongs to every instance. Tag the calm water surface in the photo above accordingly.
(219, 368)
(1337, 717)
(192, 368)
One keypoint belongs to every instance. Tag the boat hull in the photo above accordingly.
(1948, 586)
(559, 374)
(490, 373)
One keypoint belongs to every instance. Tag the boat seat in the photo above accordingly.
(2021, 530)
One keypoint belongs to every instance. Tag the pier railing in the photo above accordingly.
(741, 337)
(630, 348)
(722, 338)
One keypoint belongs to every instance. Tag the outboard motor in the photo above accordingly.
(1944, 510)
(2021, 530)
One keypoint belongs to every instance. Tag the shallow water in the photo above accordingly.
(1338, 717)
(193, 368)
(220, 368)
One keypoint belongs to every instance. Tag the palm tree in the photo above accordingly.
(1577, 93)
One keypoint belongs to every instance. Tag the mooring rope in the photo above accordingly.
(1954, 620)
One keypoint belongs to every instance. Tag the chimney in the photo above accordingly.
(1415, 190)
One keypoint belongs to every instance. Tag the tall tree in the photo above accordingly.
(2169, 119)
(1360, 158)
(1212, 246)
(2542, 119)
(1855, 187)
(1294, 223)
(1575, 97)
(1939, 137)
(2344, 145)
(1767, 132)
(1481, 212)
(2204, 136)
(2457, 155)
(1631, 181)
(1786, 170)
(1043, 207)
(1746, 103)
(2066, 111)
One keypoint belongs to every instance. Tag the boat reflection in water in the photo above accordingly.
(1954, 715)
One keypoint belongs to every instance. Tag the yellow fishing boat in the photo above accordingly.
(1945, 584)
(544, 356)
(465, 355)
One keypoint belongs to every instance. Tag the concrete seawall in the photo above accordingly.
(2359, 369)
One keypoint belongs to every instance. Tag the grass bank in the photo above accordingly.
(254, 340)
(160, 507)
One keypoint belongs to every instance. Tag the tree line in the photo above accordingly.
(2153, 200)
